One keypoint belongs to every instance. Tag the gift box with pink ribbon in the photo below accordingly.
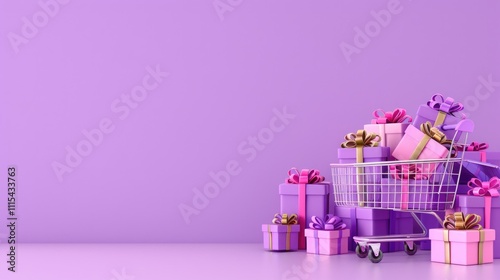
(390, 126)
(327, 236)
(282, 234)
(306, 193)
(477, 153)
(483, 199)
(363, 147)
(462, 241)
(440, 111)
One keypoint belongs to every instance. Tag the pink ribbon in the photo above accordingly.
(405, 173)
(487, 190)
(473, 147)
(305, 176)
(448, 105)
(397, 116)
(330, 222)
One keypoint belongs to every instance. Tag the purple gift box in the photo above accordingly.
(478, 164)
(281, 237)
(400, 223)
(364, 222)
(440, 111)
(429, 221)
(469, 204)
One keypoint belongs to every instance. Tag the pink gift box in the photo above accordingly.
(464, 246)
(327, 242)
(411, 139)
(281, 237)
(390, 134)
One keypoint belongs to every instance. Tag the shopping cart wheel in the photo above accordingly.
(411, 251)
(361, 251)
(373, 258)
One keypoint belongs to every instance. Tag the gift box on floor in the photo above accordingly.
(358, 148)
(364, 222)
(462, 241)
(390, 126)
(283, 234)
(399, 223)
(306, 194)
(328, 236)
(440, 111)
(429, 221)
(484, 200)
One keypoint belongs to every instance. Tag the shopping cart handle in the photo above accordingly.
(464, 125)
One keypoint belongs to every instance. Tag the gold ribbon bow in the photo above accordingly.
(430, 133)
(286, 220)
(458, 221)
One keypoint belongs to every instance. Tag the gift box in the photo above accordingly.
(390, 126)
(364, 222)
(483, 200)
(328, 236)
(440, 111)
(429, 221)
(474, 154)
(462, 241)
(426, 143)
(306, 194)
(399, 223)
(283, 234)
(362, 147)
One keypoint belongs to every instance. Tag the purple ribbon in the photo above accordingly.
(330, 222)
(397, 116)
(473, 147)
(448, 105)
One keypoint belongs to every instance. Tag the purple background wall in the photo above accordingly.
(228, 74)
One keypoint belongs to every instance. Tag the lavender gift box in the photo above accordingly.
(281, 237)
(327, 236)
(430, 222)
(440, 111)
(400, 223)
(478, 164)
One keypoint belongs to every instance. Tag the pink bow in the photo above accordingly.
(407, 171)
(305, 176)
(448, 105)
(474, 147)
(397, 116)
(480, 188)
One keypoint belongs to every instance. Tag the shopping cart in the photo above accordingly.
(414, 186)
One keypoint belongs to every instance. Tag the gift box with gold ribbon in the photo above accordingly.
(328, 236)
(462, 241)
(282, 234)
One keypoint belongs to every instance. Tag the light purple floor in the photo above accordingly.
(220, 261)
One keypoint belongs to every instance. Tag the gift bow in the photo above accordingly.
(306, 176)
(448, 105)
(480, 188)
(459, 221)
(407, 171)
(330, 222)
(473, 147)
(397, 116)
(360, 139)
(438, 135)
(284, 219)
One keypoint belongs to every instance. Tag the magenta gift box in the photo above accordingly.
(371, 182)
(463, 246)
(427, 114)
(411, 194)
(281, 237)
(364, 222)
(411, 139)
(390, 134)
(429, 222)
(469, 204)
(327, 242)
(399, 223)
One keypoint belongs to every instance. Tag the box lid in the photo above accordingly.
(280, 228)
(322, 188)
(388, 127)
(372, 214)
(329, 234)
(368, 152)
(462, 235)
(475, 201)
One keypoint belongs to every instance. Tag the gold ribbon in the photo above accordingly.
(286, 220)
(360, 140)
(429, 133)
(440, 118)
(457, 221)
(270, 237)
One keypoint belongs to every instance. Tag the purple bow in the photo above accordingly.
(397, 116)
(480, 188)
(474, 146)
(448, 105)
(331, 222)
(305, 176)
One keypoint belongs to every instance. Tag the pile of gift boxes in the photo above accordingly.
(467, 235)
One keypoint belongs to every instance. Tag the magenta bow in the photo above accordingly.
(305, 176)
(474, 147)
(331, 222)
(448, 105)
(480, 188)
(397, 116)
(407, 171)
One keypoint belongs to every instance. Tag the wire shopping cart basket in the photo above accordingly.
(414, 186)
